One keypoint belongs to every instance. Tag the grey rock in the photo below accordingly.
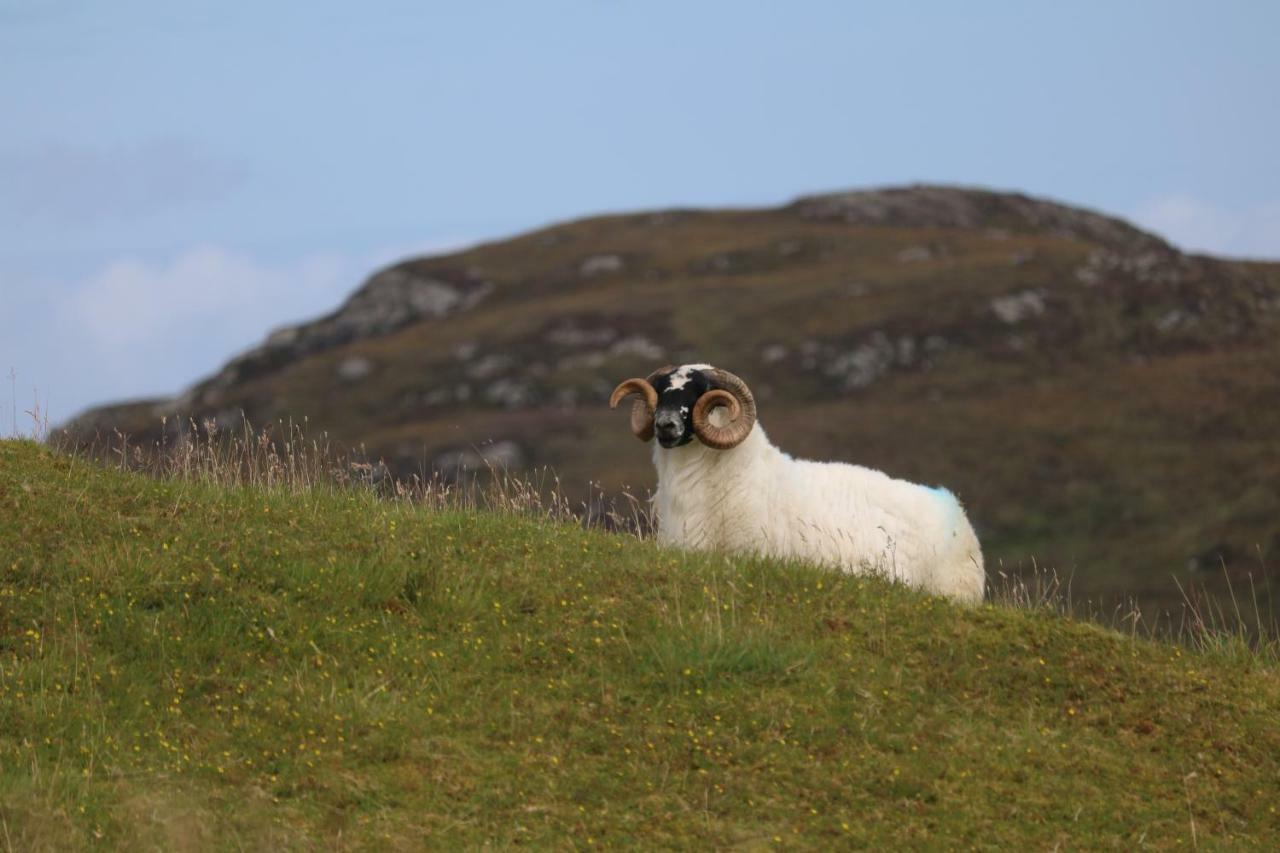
(915, 255)
(437, 396)
(935, 344)
(864, 364)
(569, 335)
(1016, 307)
(354, 368)
(510, 393)
(638, 345)
(504, 454)
(394, 297)
(926, 205)
(489, 366)
(600, 265)
(1160, 265)
(1174, 318)
(388, 301)
(906, 351)
(809, 352)
(589, 360)
(285, 336)
(1089, 274)
(774, 353)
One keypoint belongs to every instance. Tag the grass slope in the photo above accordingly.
(186, 665)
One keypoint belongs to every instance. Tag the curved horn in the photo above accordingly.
(642, 409)
(732, 392)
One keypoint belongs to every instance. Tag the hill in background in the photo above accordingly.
(1104, 404)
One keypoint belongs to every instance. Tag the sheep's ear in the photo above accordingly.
(641, 421)
(661, 371)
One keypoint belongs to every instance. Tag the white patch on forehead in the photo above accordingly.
(680, 376)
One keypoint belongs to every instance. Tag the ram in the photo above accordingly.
(723, 485)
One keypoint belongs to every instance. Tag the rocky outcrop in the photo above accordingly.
(389, 300)
(926, 206)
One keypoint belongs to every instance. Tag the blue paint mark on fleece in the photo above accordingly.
(949, 502)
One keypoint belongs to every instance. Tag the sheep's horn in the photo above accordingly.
(641, 410)
(732, 392)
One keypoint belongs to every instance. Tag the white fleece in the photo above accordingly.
(754, 498)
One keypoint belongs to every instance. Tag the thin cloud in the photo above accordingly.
(199, 307)
(1200, 226)
(233, 298)
(141, 327)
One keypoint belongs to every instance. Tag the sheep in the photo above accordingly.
(732, 490)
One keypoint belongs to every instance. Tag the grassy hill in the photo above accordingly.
(189, 665)
(1103, 403)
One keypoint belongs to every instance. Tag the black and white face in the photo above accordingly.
(678, 404)
(677, 391)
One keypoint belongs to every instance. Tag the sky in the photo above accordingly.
(177, 179)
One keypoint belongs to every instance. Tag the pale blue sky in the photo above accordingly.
(178, 178)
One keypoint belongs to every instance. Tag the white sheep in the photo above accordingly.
(731, 489)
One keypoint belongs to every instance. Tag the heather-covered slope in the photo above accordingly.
(1104, 404)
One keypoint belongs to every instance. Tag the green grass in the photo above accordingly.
(189, 665)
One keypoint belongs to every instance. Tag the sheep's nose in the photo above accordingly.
(667, 426)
